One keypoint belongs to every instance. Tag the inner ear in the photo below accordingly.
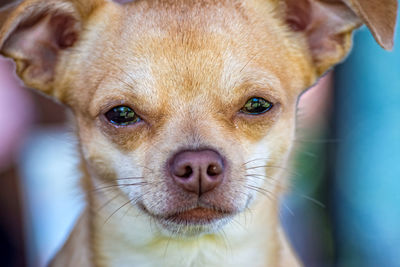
(327, 27)
(36, 43)
(298, 14)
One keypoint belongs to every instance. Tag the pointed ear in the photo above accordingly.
(35, 33)
(379, 16)
(328, 25)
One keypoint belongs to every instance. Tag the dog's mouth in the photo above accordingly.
(198, 217)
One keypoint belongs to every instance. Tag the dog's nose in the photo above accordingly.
(197, 171)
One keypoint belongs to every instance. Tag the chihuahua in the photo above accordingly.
(185, 115)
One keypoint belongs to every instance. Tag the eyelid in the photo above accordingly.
(260, 92)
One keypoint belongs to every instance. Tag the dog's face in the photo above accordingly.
(187, 106)
(189, 97)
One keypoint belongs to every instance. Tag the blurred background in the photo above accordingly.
(344, 207)
(345, 200)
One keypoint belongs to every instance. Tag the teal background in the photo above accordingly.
(366, 188)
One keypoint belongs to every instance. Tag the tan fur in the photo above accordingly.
(186, 68)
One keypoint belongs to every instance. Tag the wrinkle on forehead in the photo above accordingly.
(174, 75)
(172, 53)
(239, 76)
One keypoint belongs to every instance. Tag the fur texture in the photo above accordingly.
(186, 68)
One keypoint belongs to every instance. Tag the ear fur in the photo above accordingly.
(36, 32)
(328, 25)
(379, 16)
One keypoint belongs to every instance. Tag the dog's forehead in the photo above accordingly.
(188, 48)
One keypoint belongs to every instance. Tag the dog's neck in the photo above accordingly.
(122, 235)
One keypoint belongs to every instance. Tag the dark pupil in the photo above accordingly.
(257, 106)
(122, 116)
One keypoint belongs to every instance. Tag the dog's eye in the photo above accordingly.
(122, 116)
(256, 105)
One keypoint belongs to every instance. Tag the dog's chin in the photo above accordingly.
(192, 222)
(184, 225)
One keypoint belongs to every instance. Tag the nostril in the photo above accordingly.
(214, 170)
(183, 171)
(186, 172)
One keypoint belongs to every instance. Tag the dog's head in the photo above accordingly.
(188, 106)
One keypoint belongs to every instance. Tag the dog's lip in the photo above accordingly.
(194, 216)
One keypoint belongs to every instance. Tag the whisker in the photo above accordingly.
(114, 212)
(145, 167)
(270, 195)
(261, 176)
(287, 208)
(289, 171)
(317, 141)
(107, 202)
(130, 178)
(251, 214)
(247, 63)
(225, 240)
(120, 69)
(259, 190)
(127, 210)
(313, 200)
(250, 161)
(307, 153)
(267, 166)
(132, 200)
(167, 246)
(254, 176)
(113, 186)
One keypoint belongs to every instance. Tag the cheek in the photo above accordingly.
(129, 173)
(257, 173)
(255, 128)
(116, 169)
(127, 138)
(265, 165)
(110, 164)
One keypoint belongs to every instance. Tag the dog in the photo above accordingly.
(185, 115)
